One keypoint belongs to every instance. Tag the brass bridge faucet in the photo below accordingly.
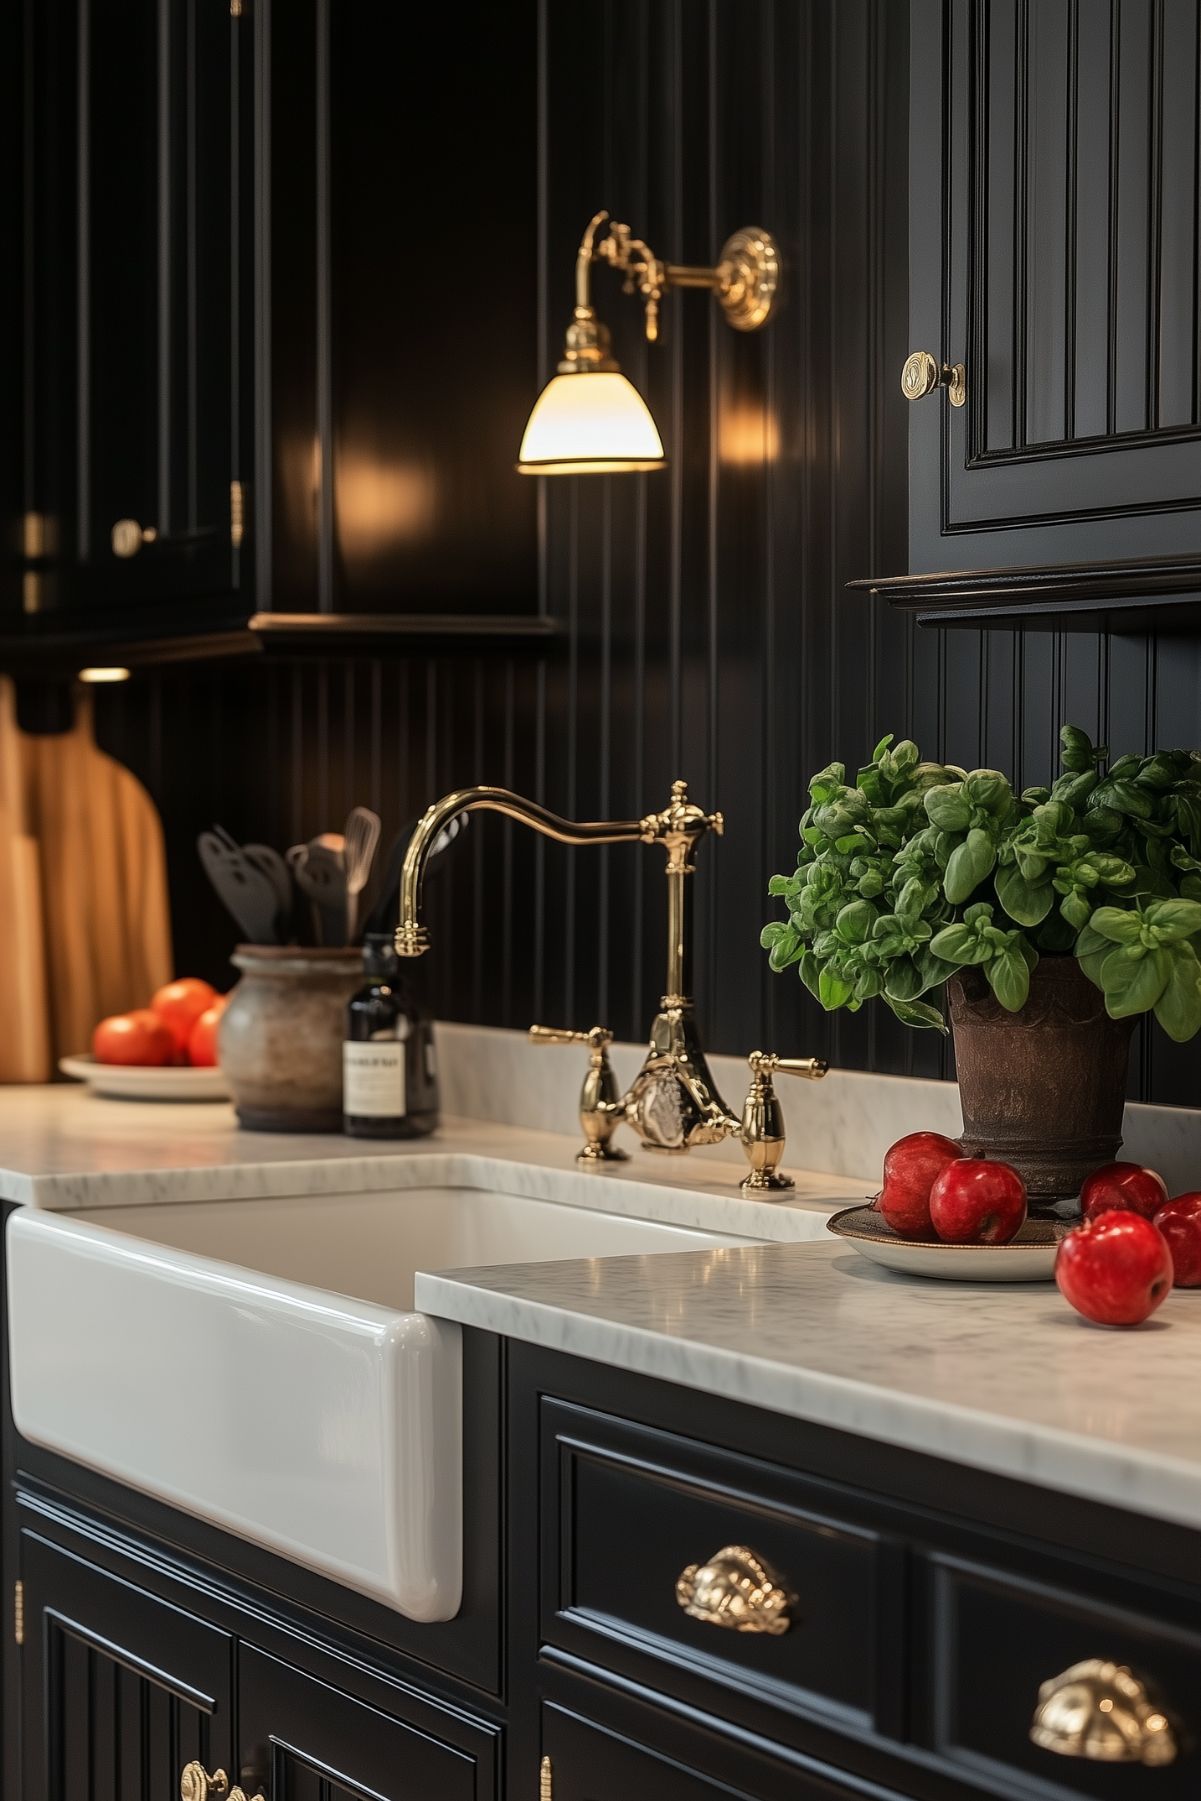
(673, 1102)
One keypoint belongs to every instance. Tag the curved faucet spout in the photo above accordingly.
(412, 938)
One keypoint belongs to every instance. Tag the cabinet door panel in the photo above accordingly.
(134, 297)
(1055, 238)
(302, 1739)
(119, 1689)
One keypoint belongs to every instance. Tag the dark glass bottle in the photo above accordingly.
(389, 1079)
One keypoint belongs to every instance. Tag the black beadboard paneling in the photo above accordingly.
(708, 631)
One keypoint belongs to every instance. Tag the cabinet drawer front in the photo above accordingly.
(995, 1641)
(629, 1511)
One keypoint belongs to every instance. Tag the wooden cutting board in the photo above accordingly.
(103, 882)
(25, 1052)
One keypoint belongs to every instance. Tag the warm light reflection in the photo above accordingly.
(591, 422)
(111, 674)
(377, 502)
(747, 435)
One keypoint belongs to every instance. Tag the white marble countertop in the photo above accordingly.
(1003, 1377)
(66, 1149)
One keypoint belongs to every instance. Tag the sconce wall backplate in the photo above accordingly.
(749, 277)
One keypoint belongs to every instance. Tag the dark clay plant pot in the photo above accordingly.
(1042, 1089)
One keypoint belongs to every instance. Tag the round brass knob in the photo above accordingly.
(923, 373)
(735, 1589)
(196, 1784)
(128, 537)
(1102, 1712)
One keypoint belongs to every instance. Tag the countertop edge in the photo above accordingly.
(1135, 1481)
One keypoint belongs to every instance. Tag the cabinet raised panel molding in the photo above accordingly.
(1054, 380)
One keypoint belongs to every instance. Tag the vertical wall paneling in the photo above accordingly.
(708, 633)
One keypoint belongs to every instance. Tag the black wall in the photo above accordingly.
(708, 633)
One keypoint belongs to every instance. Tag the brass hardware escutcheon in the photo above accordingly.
(128, 537)
(923, 374)
(735, 1589)
(197, 1784)
(1102, 1712)
(546, 1781)
(19, 1612)
(237, 519)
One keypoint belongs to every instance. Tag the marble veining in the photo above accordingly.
(1005, 1378)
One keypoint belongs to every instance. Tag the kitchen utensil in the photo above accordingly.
(268, 862)
(1030, 1257)
(247, 893)
(383, 915)
(133, 1082)
(360, 841)
(320, 874)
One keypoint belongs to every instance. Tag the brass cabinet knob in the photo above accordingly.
(196, 1784)
(735, 1589)
(128, 537)
(1101, 1711)
(923, 374)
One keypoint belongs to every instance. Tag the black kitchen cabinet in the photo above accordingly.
(306, 1741)
(1054, 238)
(119, 1689)
(130, 503)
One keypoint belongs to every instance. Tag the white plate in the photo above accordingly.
(1030, 1257)
(136, 1082)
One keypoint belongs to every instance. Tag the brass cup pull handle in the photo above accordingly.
(735, 1589)
(128, 537)
(923, 374)
(1102, 1711)
(196, 1783)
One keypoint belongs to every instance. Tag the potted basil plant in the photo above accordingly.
(1053, 918)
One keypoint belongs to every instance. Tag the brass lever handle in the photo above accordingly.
(766, 1063)
(596, 1038)
(196, 1783)
(923, 374)
(735, 1589)
(1102, 1712)
(128, 537)
(601, 1107)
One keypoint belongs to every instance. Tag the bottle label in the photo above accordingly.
(373, 1079)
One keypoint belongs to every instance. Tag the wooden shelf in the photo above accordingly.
(1161, 594)
(325, 634)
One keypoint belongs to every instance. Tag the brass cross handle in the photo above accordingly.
(923, 374)
(196, 1783)
(1102, 1712)
(735, 1589)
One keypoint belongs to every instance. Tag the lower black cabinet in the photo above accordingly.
(303, 1740)
(120, 1689)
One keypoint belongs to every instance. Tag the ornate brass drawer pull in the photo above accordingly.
(923, 374)
(196, 1784)
(1101, 1711)
(734, 1589)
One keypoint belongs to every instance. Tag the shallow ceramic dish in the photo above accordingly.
(1030, 1257)
(136, 1082)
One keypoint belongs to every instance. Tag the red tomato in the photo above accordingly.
(202, 1045)
(180, 1004)
(138, 1037)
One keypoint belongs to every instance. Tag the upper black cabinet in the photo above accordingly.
(135, 328)
(1054, 251)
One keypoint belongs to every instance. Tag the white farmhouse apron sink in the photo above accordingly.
(259, 1363)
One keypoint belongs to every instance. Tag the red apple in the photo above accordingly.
(1115, 1269)
(977, 1201)
(1122, 1185)
(1180, 1222)
(911, 1166)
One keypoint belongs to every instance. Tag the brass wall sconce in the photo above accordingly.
(603, 425)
